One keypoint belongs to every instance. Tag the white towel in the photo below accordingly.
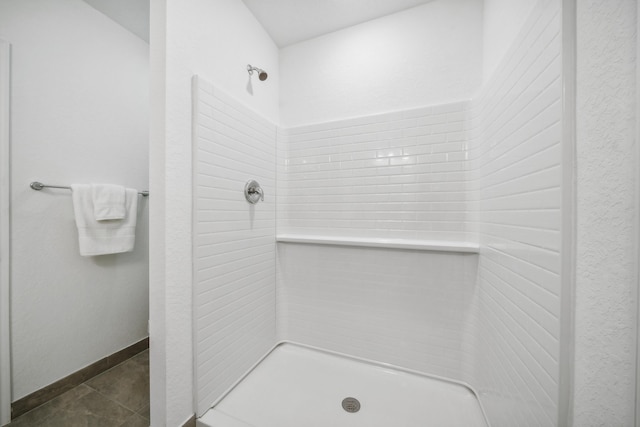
(103, 237)
(108, 201)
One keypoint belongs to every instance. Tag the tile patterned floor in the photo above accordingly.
(118, 397)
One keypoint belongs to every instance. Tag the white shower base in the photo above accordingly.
(296, 386)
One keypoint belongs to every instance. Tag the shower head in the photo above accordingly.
(262, 74)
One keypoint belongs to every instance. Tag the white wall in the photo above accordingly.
(606, 282)
(234, 249)
(160, 385)
(79, 114)
(503, 21)
(5, 231)
(517, 176)
(214, 39)
(427, 55)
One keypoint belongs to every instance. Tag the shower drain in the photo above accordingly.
(350, 404)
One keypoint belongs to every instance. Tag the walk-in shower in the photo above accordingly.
(407, 261)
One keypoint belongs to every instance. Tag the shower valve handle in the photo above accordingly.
(257, 191)
(253, 192)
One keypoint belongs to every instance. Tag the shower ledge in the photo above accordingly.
(421, 245)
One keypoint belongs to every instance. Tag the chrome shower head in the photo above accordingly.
(262, 74)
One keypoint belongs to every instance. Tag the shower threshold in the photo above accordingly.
(296, 386)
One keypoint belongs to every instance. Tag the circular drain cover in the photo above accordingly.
(351, 404)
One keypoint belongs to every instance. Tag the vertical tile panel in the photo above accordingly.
(515, 164)
(234, 247)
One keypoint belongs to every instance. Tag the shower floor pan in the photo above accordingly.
(296, 386)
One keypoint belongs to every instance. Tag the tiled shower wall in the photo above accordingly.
(516, 168)
(413, 309)
(395, 175)
(234, 243)
(399, 175)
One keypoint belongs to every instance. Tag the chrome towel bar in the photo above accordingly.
(35, 185)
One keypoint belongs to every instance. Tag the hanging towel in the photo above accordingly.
(108, 201)
(103, 237)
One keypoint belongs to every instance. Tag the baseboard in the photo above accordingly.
(39, 397)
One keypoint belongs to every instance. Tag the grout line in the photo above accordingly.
(108, 397)
(114, 401)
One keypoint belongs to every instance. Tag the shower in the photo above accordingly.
(457, 165)
(377, 252)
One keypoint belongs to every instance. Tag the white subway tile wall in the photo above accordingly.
(395, 175)
(399, 175)
(234, 242)
(516, 170)
(413, 309)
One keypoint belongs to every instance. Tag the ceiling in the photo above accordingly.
(286, 21)
(292, 21)
(131, 14)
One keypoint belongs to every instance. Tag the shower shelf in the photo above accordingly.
(421, 245)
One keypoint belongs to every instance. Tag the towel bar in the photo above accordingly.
(39, 186)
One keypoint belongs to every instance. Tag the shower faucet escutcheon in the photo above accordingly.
(253, 192)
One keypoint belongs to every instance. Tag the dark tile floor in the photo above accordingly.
(117, 397)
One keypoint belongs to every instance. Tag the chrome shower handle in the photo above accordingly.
(257, 190)
(253, 192)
